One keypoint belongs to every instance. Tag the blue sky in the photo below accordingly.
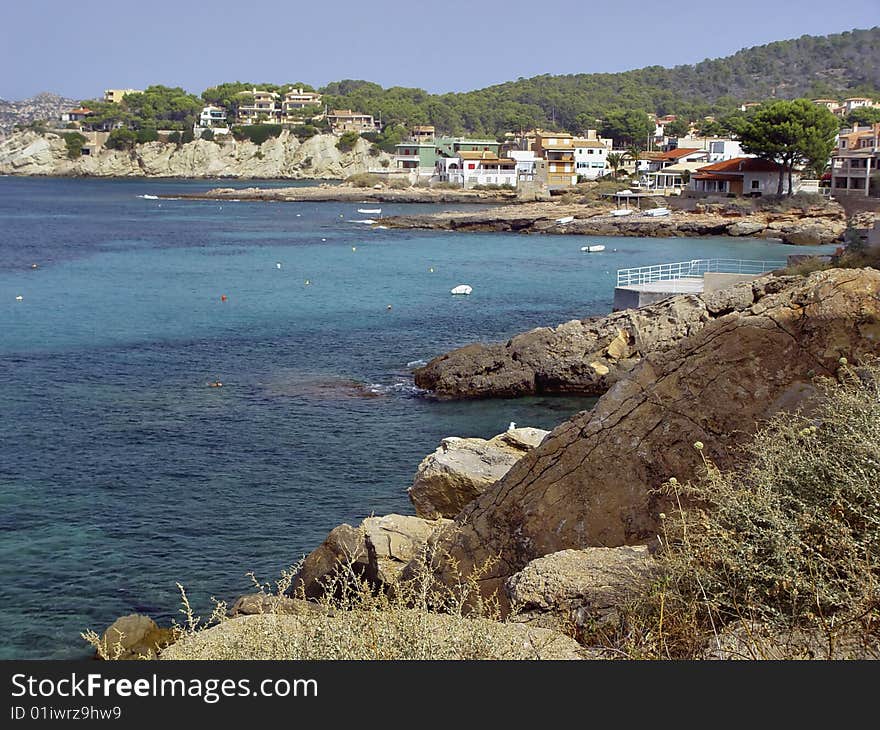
(79, 48)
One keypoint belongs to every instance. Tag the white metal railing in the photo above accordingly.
(693, 269)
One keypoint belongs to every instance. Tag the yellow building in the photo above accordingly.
(557, 148)
(115, 96)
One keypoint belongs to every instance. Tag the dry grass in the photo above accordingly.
(780, 559)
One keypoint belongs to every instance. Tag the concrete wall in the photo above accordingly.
(715, 281)
(633, 298)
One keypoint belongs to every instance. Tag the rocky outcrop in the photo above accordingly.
(591, 481)
(133, 637)
(584, 357)
(575, 589)
(397, 634)
(378, 550)
(811, 224)
(28, 153)
(461, 469)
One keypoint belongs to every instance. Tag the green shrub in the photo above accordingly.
(399, 184)
(147, 135)
(75, 142)
(363, 180)
(374, 150)
(789, 542)
(347, 141)
(121, 139)
(305, 131)
(256, 133)
(207, 135)
(174, 137)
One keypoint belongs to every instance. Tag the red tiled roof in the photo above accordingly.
(715, 176)
(676, 153)
(742, 164)
(82, 110)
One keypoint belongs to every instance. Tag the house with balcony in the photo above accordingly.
(557, 148)
(832, 105)
(451, 146)
(673, 179)
(470, 168)
(857, 102)
(294, 101)
(213, 118)
(346, 120)
(416, 157)
(423, 133)
(747, 176)
(856, 160)
(589, 157)
(75, 115)
(262, 108)
(677, 156)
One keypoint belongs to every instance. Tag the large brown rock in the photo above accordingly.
(378, 550)
(461, 469)
(590, 482)
(134, 637)
(583, 357)
(573, 589)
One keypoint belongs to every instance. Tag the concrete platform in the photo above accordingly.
(638, 295)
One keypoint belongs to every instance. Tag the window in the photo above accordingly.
(590, 151)
(755, 184)
(552, 168)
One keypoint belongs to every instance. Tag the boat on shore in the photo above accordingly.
(622, 211)
(658, 212)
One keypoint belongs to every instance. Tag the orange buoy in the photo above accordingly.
(222, 297)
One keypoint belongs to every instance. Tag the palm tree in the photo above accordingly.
(634, 153)
(614, 160)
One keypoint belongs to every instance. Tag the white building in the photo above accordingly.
(589, 157)
(477, 168)
(213, 118)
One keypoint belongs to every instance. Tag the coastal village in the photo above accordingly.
(673, 159)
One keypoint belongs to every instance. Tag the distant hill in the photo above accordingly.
(835, 65)
(41, 106)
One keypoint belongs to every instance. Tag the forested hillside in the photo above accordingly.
(836, 65)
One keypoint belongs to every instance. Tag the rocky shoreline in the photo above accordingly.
(813, 224)
(566, 521)
(349, 194)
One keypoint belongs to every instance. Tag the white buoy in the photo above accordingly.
(19, 298)
(323, 240)
(278, 265)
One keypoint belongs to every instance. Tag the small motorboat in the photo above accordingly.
(370, 210)
(565, 219)
(461, 289)
(657, 212)
(621, 211)
(593, 249)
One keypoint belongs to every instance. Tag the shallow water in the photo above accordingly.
(121, 472)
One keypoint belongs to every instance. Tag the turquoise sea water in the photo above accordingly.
(122, 472)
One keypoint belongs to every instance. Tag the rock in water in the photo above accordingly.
(461, 469)
(590, 481)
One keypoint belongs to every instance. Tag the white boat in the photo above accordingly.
(370, 210)
(621, 211)
(565, 219)
(461, 289)
(657, 212)
(593, 249)
(368, 221)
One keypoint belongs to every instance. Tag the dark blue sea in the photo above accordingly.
(122, 472)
